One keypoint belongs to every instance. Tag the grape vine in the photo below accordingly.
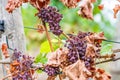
(75, 60)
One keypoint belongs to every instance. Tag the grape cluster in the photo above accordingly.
(27, 62)
(77, 45)
(51, 71)
(24, 76)
(51, 16)
(23, 68)
(77, 48)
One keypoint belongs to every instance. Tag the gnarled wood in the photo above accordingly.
(14, 29)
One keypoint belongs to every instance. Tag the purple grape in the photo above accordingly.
(51, 16)
(16, 55)
(51, 71)
(77, 47)
(24, 66)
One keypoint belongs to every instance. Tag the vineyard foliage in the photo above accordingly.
(67, 52)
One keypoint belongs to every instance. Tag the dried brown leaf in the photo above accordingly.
(93, 40)
(101, 6)
(86, 9)
(77, 71)
(93, 1)
(95, 37)
(51, 78)
(4, 49)
(57, 57)
(12, 4)
(38, 4)
(91, 50)
(101, 75)
(13, 66)
(70, 3)
(116, 9)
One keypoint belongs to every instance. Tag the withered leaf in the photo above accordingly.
(77, 71)
(38, 4)
(101, 75)
(101, 6)
(40, 28)
(5, 50)
(86, 9)
(116, 9)
(95, 37)
(93, 1)
(51, 78)
(91, 50)
(57, 57)
(15, 63)
(70, 3)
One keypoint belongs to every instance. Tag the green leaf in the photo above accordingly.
(45, 47)
(44, 50)
(41, 58)
(39, 71)
(106, 49)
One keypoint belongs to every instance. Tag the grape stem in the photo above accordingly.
(65, 35)
(48, 36)
(109, 60)
(4, 62)
(60, 77)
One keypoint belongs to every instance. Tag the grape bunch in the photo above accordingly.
(51, 16)
(51, 71)
(21, 64)
(27, 62)
(77, 45)
(24, 76)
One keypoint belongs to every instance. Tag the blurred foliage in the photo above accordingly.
(71, 23)
(106, 49)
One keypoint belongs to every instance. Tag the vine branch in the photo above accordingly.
(48, 36)
(109, 60)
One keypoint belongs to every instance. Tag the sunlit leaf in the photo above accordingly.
(45, 47)
(106, 49)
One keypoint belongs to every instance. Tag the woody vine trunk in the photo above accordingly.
(14, 30)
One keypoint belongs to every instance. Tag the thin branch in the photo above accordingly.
(109, 60)
(35, 28)
(60, 77)
(112, 41)
(116, 50)
(66, 35)
(112, 57)
(31, 28)
(48, 36)
(10, 75)
(5, 62)
(107, 56)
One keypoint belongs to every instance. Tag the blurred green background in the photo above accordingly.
(37, 43)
